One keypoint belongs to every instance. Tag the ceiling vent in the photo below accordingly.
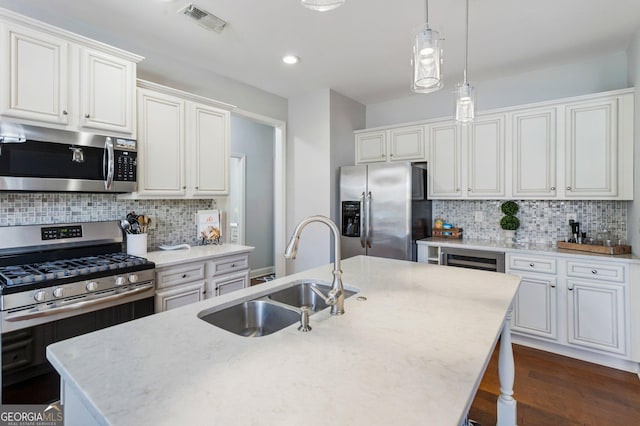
(205, 19)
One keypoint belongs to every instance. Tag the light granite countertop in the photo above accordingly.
(541, 249)
(164, 258)
(412, 353)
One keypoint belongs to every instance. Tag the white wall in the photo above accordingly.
(308, 176)
(633, 210)
(319, 141)
(599, 74)
(256, 141)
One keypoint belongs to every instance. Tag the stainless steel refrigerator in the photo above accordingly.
(384, 209)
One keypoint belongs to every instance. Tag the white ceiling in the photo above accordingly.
(361, 49)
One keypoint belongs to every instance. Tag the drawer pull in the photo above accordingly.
(594, 271)
(184, 275)
(570, 288)
(553, 285)
(233, 265)
(532, 265)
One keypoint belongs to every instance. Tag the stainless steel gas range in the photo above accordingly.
(56, 282)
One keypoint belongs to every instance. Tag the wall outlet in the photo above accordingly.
(479, 216)
(153, 221)
(572, 216)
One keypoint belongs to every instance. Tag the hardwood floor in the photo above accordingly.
(556, 391)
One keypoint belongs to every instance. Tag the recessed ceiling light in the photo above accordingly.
(290, 59)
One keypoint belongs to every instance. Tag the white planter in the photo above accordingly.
(509, 236)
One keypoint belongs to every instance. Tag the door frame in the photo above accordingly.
(279, 184)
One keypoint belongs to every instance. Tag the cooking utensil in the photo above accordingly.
(126, 226)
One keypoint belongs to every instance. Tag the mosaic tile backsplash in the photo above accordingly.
(541, 222)
(175, 218)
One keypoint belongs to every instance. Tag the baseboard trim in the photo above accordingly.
(262, 271)
(595, 358)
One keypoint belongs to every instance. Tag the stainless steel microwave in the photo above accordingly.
(40, 159)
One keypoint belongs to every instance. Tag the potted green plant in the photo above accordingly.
(509, 222)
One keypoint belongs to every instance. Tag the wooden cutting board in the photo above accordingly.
(595, 249)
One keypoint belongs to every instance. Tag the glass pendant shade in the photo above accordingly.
(465, 103)
(427, 61)
(322, 5)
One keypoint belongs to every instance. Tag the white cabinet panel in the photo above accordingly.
(209, 137)
(176, 297)
(534, 307)
(371, 147)
(534, 153)
(596, 316)
(445, 161)
(407, 144)
(35, 76)
(591, 149)
(228, 283)
(486, 158)
(107, 92)
(161, 144)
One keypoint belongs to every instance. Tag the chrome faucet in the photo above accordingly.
(335, 298)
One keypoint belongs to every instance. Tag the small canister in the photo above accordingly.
(437, 223)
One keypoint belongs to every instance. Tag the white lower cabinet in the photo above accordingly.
(179, 296)
(596, 316)
(227, 274)
(227, 283)
(535, 307)
(576, 303)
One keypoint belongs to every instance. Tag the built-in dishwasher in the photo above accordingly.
(484, 260)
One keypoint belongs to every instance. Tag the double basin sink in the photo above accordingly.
(270, 313)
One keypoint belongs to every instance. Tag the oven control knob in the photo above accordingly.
(133, 278)
(120, 280)
(58, 292)
(40, 296)
(92, 286)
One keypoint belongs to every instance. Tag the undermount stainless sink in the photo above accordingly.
(254, 318)
(271, 312)
(300, 295)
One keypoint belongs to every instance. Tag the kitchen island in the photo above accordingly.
(411, 349)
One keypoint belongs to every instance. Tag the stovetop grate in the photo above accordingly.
(15, 275)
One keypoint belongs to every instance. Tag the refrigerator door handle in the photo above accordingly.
(362, 217)
(369, 219)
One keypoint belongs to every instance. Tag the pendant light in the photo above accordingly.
(465, 93)
(322, 5)
(427, 59)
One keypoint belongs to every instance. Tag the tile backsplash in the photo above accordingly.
(175, 218)
(541, 221)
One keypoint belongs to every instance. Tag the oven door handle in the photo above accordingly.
(72, 306)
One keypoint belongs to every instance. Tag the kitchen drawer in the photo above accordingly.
(179, 275)
(532, 264)
(597, 271)
(226, 265)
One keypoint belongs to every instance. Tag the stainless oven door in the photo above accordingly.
(27, 376)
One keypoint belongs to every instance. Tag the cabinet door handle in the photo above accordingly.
(64, 112)
(87, 116)
(568, 188)
(553, 285)
(570, 288)
(184, 275)
(553, 188)
(233, 265)
(594, 271)
(532, 265)
(469, 189)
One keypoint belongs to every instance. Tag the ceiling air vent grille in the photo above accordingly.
(205, 19)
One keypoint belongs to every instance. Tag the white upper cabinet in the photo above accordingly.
(208, 133)
(183, 143)
(371, 147)
(107, 92)
(445, 165)
(591, 146)
(161, 144)
(485, 165)
(52, 78)
(534, 153)
(34, 76)
(397, 144)
(578, 148)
